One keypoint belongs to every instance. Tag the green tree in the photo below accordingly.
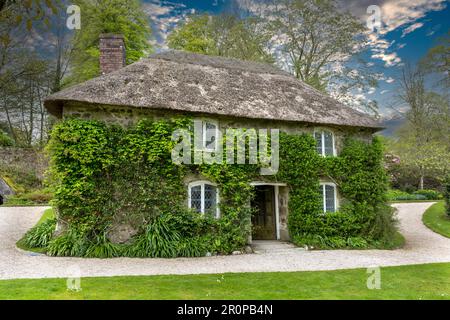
(223, 35)
(30, 11)
(437, 59)
(317, 41)
(423, 141)
(124, 17)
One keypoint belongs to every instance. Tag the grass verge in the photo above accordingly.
(430, 281)
(436, 219)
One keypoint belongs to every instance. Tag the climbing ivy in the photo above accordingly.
(106, 176)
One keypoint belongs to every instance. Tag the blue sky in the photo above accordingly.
(410, 28)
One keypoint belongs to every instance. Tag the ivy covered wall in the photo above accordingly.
(117, 193)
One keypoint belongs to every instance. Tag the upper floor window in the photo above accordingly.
(204, 198)
(328, 194)
(325, 143)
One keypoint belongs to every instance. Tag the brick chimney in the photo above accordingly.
(112, 52)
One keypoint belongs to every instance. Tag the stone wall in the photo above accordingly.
(25, 159)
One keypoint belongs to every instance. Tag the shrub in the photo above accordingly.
(429, 194)
(72, 243)
(158, 240)
(412, 197)
(5, 140)
(193, 247)
(31, 198)
(447, 196)
(40, 235)
(102, 248)
(394, 194)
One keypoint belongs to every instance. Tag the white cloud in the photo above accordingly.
(412, 28)
(395, 15)
(390, 80)
(164, 16)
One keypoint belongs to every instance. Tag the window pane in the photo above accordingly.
(329, 199)
(318, 137)
(210, 135)
(210, 199)
(321, 196)
(196, 198)
(329, 150)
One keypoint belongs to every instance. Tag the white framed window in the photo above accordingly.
(203, 197)
(328, 194)
(210, 134)
(325, 143)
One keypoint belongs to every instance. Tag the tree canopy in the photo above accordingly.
(124, 17)
(222, 35)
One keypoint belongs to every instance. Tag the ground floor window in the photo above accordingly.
(328, 194)
(204, 198)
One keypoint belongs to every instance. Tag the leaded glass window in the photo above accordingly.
(328, 197)
(318, 137)
(325, 143)
(196, 198)
(203, 198)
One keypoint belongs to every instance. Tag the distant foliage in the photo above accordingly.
(223, 35)
(5, 140)
(125, 17)
(107, 175)
(447, 196)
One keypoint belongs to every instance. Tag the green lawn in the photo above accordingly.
(436, 219)
(431, 281)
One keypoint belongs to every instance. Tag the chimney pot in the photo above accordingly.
(112, 52)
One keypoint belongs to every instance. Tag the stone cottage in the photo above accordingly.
(223, 93)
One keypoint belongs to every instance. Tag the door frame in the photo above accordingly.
(276, 186)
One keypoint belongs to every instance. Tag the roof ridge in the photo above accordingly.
(194, 58)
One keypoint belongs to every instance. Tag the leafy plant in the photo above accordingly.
(447, 196)
(429, 194)
(72, 243)
(106, 175)
(158, 240)
(102, 248)
(40, 235)
(5, 140)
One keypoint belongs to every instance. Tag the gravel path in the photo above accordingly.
(422, 246)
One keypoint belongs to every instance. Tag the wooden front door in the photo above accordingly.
(263, 219)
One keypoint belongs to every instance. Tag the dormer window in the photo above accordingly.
(204, 198)
(325, 144)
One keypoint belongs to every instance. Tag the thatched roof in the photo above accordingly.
(197, 83)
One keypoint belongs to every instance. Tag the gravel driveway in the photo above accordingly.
(422, 246)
